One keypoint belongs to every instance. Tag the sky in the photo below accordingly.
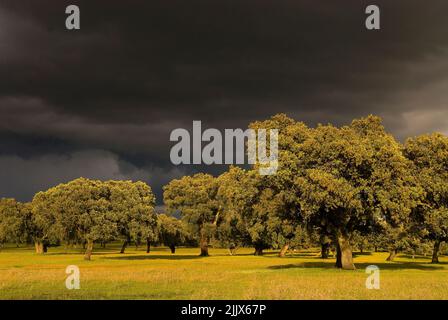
(100, 102)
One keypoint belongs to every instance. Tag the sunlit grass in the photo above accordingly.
(184, 275)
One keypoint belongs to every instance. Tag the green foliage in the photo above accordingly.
(429, 153)
(195, 198)
(171, 231)
(254, 211)
(13, 221)
(345, 179)
(237, 194)
(79, 210)
(87, 211)
(355, 176)
(132, 205)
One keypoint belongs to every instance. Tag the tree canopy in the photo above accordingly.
(195, 198)
(91, 211)
(429, 154)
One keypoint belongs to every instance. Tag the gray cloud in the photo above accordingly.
(136, 71)
(23, 177)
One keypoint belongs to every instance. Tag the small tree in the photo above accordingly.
(132, 204)
(171, 231)
(13, 222)
(429, 153)
(277, 203)
(235, 193)
(396, 239)
(253, 213)
(45, 221)
(195, 198)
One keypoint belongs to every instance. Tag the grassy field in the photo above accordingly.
(161, 275)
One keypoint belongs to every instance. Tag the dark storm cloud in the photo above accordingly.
(136, 70)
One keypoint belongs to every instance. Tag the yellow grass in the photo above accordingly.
(184, 275)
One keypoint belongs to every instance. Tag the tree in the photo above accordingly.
(346, 179)
(90, 211)
(195, 198)
(45, 225)
(278, 201)
(254, 212)
(359, 241)
(243, 198)
(133, 206)
(325, 245)
(80, 209)
(396, 239)
(429, 154)
(172, 232)
(266, 227)
(13, 221)
(306, 238)
(235, 193)
(356, 177)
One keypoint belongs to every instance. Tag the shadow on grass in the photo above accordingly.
(421, 257)
(381, 265)
(303, 255)
(98, 251)
(275, 254)
(78, 253)
(356, 254)
(155, 257)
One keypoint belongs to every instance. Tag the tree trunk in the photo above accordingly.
(284, 250)
(344, 256)
(258, 251)
(173, 248)
(88, 250)
(324, 250)
(148, 246)
(39, 247)
(204, 246)
(338, 256)
(435, 253)
(123, 247)
(392, 255)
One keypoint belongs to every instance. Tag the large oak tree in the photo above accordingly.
(344, 179)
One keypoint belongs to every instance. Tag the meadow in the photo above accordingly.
(184, 275)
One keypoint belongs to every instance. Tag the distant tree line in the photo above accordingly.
(335, 187)
(85, 211)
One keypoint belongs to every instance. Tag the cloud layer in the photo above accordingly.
(102, 101)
